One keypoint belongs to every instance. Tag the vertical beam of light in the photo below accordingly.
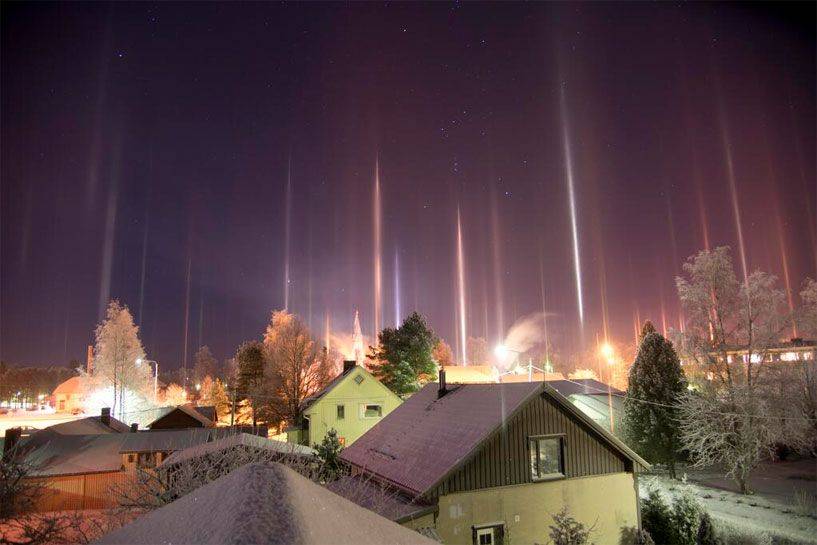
(143, 271)
(287, 229)
(326, 331)
(784, 260)
(186, 322)
(702, 217)
(378, 268)
(398, 312)
(461, 289)
(110, 236)
(499, 301)
(544, 305)
(568, 159)
(733, 192)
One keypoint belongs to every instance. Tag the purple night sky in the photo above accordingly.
(146, 149)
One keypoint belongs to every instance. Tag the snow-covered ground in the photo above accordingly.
(772, 511)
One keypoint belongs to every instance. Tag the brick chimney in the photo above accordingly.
(348, 365)
(89, 362)
(442, 389)
(105, 417)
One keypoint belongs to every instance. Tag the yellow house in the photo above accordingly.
(351, 404)
(490, 464)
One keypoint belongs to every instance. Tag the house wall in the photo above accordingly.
(88, 491)
(323, 413)
(504, 459)
(606, 502)
(67, 402)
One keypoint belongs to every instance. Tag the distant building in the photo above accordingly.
(69, 397)
(491, 463)
(351, 404)
(786, 352)
(595, 399)
(184, 416)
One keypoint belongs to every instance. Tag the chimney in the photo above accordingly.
(12, 438)
(105, 417)
(442, 390)
(89, 362)
(134, 427)
(348, 365)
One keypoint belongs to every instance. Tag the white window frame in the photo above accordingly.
(363, 411)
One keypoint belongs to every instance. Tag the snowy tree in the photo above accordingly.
(443, 354)
(249, 373)
(204, 364)
(566, 530)
(328, 452)
(295, 367)
(118, 357)
(175, 395)
(729, 421)
(808, 311)
(214, 393)
(477, 349)
(656, 384)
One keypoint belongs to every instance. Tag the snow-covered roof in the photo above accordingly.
(263, 505)
(237, 440)
(71, 386)
(89, 425)
(53, 454)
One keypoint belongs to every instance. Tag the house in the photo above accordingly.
(351, 404)
(491, 463)
(595, 399)
(263, 505)
(183, 417)
(69, 396)
(90, 425)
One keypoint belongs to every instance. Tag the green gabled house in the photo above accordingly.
(351, 404)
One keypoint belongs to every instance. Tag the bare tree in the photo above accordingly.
(205, 364)
(295, 367)
(729, 331)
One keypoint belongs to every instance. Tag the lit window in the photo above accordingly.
(546, 457)
(341, 412)
(788, 356)
(372, 411)
(358, 379)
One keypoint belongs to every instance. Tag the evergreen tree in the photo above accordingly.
(204, 364)
(656, 518)
(656, 383)
(328, 452)
(685, 518)
(566, 530)
(250, 358)
(403, 358)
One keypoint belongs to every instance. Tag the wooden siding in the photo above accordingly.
(504, 460)
(71, 492)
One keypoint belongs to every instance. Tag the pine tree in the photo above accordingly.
(566, 530)
(656, 383)
(403, 358)
(328, 452)
(204, 364)
(656, 518)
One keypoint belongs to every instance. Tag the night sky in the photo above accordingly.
(146, 150)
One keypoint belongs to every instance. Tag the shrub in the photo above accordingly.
(706, 532)
(684, 520)
(634, 536)
(657, 518)
(566, 530)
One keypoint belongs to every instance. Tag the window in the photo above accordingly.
(488, 535)
(145, 460)
(372, 411)
(341, 412)
(359, 380)
(546, 457)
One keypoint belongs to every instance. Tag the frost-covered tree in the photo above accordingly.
(295, 367)
(655, 386)
(214, 393)
(566, 530)
(205, 365)
(477, 349)
(175, 395)
(729, 330)
(118, 357)
(443, 354)
(328, 452)
(249, 360)
(402, 359)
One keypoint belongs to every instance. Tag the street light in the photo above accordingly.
(155, 363)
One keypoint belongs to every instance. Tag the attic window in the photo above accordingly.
(546, 457)
(372, 411)
(359, 379)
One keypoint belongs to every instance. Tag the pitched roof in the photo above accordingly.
(236, 440)
(172, 440)
(187, 409)
(71, 386)
(314, 398)
(52, 454)
(89, 425)
(585, 386)
(472, 374)
(263, 504)
(418, 443)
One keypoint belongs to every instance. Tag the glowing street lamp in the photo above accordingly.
(155, 363)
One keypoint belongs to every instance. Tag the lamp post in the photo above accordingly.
(155, 363)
